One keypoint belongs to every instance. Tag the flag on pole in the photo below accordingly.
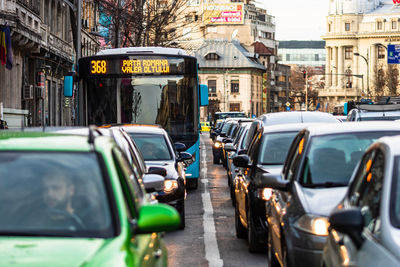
(9, 61)
(3, 50)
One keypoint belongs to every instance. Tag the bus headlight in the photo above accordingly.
(170, 185)
(265, 193)
(313, 224)
(217, 144)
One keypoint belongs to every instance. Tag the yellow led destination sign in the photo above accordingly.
(98, 67)
(135, 66)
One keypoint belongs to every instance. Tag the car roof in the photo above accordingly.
(392, 142)
(366, 126)
(287, 127)
(366, 113)
(297, 116)
(39, 141)
(145, 129)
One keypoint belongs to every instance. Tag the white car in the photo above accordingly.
(375, 112)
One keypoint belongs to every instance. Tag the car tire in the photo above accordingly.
(192, 183)
(233, 197)
(182, 215)
(272, 261)
(216, 160)
(239, 228)
(254, 245)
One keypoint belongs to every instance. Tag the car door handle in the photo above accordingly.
(158, 253)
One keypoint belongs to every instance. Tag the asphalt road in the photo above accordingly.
(209, 237)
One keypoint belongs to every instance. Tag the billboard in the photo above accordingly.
(393, 54)
(223, 14)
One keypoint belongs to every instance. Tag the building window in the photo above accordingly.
(189, 18)
(287, 57)
(348, 52)
(379, 25)
(316, 57)
(394, 24)
(235, 86)
(212, 87)
(212, 56)
(211, 29)
(234, 106)
(329, 27)
(282, 79)
(381, 52)
(193, 2)
(347, 27)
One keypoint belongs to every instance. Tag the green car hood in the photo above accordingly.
(26, 251)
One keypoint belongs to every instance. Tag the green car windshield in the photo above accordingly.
(331, 159)
(53, 194)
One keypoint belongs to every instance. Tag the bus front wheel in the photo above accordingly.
(192, 183)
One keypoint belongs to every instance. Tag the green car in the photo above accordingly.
(73, 201)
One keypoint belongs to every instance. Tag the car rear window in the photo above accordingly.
(53, 194)
(152, 146)
(274, 148)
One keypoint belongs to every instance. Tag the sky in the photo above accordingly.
(298, 20)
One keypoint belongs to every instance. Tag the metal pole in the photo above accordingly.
(306, 91)
(78, 56)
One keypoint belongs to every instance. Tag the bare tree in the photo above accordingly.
(379, 80)
(392, 79)
(143, 22)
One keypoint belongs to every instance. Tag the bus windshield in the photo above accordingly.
(168, 101)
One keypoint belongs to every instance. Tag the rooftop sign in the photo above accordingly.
(224, 14)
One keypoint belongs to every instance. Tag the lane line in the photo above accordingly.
(210, 237)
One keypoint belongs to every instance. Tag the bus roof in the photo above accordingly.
(143, 50)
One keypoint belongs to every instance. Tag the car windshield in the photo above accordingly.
(53, 194)
(225, 128)
(380, 118)
(331, 159)
(395, 198)
(274, 148)
(152, 146)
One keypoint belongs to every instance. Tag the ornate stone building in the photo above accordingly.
(42, 46)
(358, 32)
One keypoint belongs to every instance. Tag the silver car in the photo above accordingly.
(314, 179)
(365, 226)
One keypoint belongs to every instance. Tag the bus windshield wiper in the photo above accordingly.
(326, 184)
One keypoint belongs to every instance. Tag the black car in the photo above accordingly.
(266, 154)
(158, 150)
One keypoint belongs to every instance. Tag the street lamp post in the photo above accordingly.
(366, 61)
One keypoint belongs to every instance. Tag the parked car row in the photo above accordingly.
(98, 196)
(309, 190)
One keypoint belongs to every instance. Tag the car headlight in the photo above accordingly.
(313, 224)
(265, 193)
(170, 185)
(217, 144)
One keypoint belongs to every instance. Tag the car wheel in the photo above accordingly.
(216, 160)
(240, 230)
(272, 261)
(192, 183)
(182, 215)
(229, 178)
(233, 198)
(254, 244)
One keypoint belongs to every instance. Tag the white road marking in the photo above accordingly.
(210, 238)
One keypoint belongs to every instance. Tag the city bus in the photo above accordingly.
(145, 85)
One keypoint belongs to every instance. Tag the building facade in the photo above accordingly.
(42, 50)
(233, 75)
(358, 32)
(302, 53)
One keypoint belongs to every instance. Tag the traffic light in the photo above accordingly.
(304, 74)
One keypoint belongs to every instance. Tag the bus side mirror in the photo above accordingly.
(68, 85)
(203, 95)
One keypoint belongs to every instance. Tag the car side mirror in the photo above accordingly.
(227, 140)
(157, 170)
(241, 152)
(348, 221)
(153, 183)
(229, 147)
(273, 181)
(180, 146)
(241, 161)
(186, 158)
(156, 218)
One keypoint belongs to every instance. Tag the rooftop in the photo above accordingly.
(294, 44)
